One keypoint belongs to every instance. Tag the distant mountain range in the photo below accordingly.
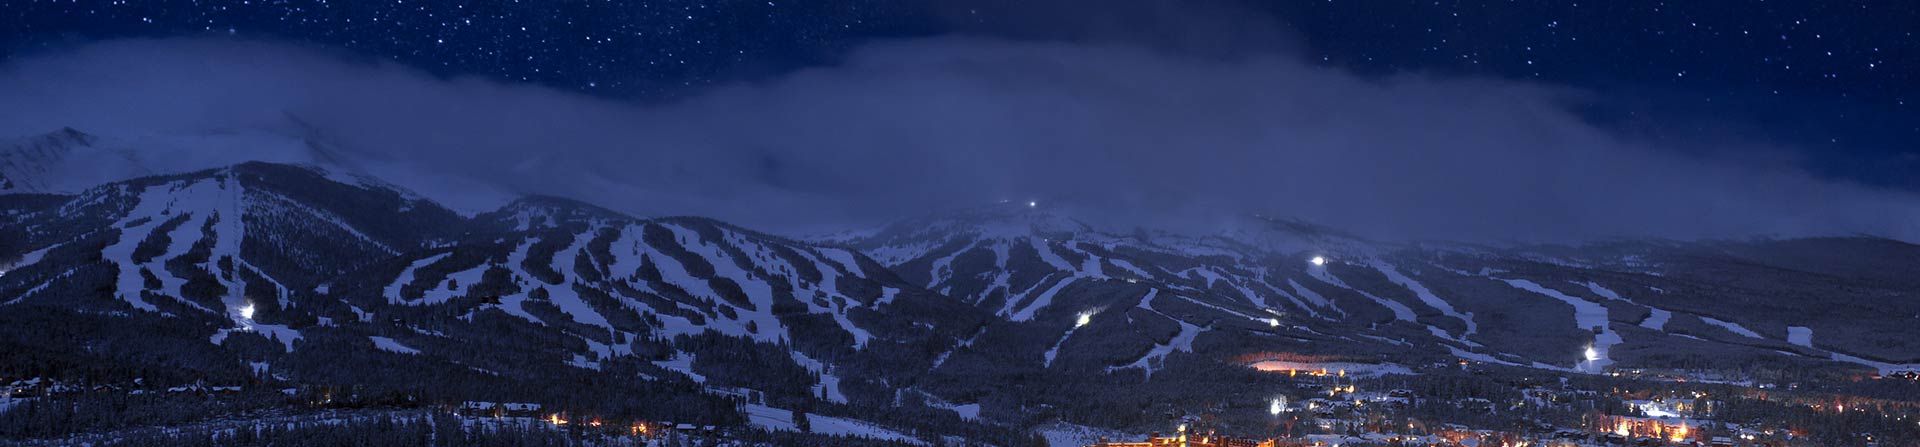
(956, 324)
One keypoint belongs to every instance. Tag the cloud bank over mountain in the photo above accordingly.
(1141, 134)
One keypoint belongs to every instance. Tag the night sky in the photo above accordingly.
(1832, 85)
(1833, 79)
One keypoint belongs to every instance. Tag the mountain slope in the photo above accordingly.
(1562, 308)
(305, 276)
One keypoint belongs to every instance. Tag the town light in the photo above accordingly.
(1278, 406)
(1318, 261)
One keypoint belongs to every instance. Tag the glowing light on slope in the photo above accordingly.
(1085, 317)
(1592, 354)
(1318, 261)
(1033, 204)
(246, 312)
(1274, 322)
(1278, 406)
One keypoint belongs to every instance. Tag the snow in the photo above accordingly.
(1090, 267)
(776, 419)
(1065, 434)
(1427, 296)
(1218, 308)
(1603, 291)
(1883, 367)
(1156, 357)
(967, 411)
(847, 260)
(886, 296)
(406, 277)
(1587, 315)
(1799, 335)
(1478, 357)
(389, 345)
(1128, 266)
(443, 292)
(1041, 302)
(157, 205)
(941, 267)
(828, 382)
(1086, 317)
(759, 293)
(511, 304)
(563, 295)
(896, 255)
(682, 363)
(1658, 320)
(1400, 311)
(581, 361)
(1310, 295)
(285, 335)
(1046, 254)
(31, 258)
(1731, 327)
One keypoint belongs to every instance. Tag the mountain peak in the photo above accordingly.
(39, 163)
(1002, 220)
(536, 210)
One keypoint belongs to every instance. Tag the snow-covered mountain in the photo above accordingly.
(68, 160)
(957, 324)
(1557, 308)
(294, 271)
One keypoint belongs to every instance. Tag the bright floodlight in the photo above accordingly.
(1275, 322)
(1318, 260)
(1278, 406)
(1032, 204)
(1085, 317)
(246, 311)
(1592, 354)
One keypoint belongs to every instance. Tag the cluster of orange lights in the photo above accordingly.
(638, 429)
(1673, 433)
(1322, 372)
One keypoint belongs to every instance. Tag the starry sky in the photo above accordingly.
(1833, 82)
(1834, 79)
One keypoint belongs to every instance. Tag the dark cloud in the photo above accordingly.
(900, 128)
